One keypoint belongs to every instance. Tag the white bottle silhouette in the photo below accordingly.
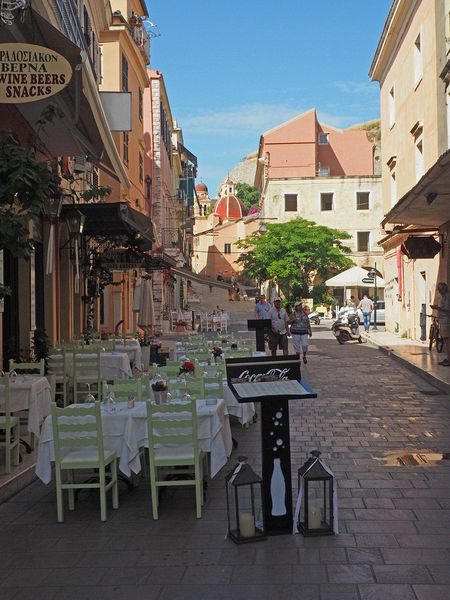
(278, 490)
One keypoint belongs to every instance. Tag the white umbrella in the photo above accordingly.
(353, 277)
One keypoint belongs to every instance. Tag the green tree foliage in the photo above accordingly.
(25, 182)
(292, 254)
(249, 194)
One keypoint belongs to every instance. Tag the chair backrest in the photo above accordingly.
(86, 370)
(5, 400)
(123, 389)
(77, 427)
(57, 363)
(174, 424)
(194, 386)
(170, 369)
(28, 367)
(213, 386)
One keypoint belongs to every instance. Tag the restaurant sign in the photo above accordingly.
(29, 73)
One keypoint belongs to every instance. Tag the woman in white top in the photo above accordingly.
(300, 330)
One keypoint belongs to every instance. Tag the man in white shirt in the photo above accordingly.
(366, 305)
(278, 334)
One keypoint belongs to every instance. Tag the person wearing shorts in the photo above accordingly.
(278, 333)
(300, 330)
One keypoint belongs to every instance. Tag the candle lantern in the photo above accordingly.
(244, 504)
(316, 505)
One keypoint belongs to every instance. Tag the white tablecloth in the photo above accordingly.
(125, 431)
(133, 349)
(32, 393)
(113, 365)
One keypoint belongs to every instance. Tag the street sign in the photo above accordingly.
(367, 280)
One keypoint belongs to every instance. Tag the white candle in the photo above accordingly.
(246, 525)
(314, 517)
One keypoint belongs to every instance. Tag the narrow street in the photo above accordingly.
(394, 520)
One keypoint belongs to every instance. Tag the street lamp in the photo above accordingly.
(262, 229)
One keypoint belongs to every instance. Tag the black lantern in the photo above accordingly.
(75, 222)
(317, 496)
(244, 504)
(52, 205)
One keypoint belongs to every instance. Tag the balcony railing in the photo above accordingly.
(141, 38)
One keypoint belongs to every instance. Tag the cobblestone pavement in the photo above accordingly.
(394, 540)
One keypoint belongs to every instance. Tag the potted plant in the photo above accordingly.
(216, 352)
(187, 367)
(159, 388)
(144, 342)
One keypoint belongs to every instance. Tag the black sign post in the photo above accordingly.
(260, 326)
(275, 435)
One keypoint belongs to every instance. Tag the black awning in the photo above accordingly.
(188, 153)
(107, 220)
(157, 262)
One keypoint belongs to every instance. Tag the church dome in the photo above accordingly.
(230, 207)
(201, 187)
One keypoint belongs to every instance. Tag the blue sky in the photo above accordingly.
(236, 68)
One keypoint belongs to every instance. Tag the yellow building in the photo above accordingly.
(411, 65)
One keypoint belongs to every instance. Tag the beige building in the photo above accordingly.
(323, 174)
(411, 64)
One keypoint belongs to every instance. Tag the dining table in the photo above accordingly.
(131, 347)
(125, 431)
(31, 393)
(113, 365)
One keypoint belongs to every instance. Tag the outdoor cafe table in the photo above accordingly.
(113, 365)
(125, 431)
(31, 393)
(133, 349)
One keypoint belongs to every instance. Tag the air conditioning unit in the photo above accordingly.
(79, 164)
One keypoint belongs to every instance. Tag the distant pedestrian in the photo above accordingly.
(443, 316)
(262, 308)
(300, 329)
(278, 332)
(366, 306)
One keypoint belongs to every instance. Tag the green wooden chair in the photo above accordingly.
(194, 386)
(213, 386)
(78, 442)
(57, 369)
(123, 389)
(33, 368)
(86, 375)
(9, 425)
(171, 452)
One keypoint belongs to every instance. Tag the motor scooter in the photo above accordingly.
(346, 328)
(314, 317)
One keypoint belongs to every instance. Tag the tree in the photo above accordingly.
(249, 194)
(292, 254)
(25, 182)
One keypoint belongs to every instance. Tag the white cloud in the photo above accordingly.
(249, 118)
(339, 121)
(357, 87)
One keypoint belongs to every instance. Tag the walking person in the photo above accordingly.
(262, 308)
(443, 316)
(300, 330)
(366, 305)
(278, 333)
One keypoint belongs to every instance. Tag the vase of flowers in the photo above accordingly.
(216, 352)
(187, 366)
(159, 388)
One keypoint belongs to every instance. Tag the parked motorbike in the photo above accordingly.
(346, 328)
(314, 317)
